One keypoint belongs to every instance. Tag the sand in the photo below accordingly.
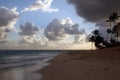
(84, 65)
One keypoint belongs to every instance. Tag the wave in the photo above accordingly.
(25, 59)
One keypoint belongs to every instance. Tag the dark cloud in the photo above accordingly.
(96, 10)
(28, 29)
(60, 29)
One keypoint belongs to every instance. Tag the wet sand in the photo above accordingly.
(84, 65)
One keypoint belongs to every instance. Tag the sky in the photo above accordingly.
(52, 24)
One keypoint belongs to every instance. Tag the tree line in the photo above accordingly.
(113, 33)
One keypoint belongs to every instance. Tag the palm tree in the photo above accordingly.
(116, 30)
(97, 39)
(115, 17)
(96, 32)
(108, 32)
(112, 19)
(92, 39)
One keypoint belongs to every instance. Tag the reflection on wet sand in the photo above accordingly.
(19, 74)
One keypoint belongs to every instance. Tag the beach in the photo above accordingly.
(101, 64)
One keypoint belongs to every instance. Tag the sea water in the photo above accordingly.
(23, 64)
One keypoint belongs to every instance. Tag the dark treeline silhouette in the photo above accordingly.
(113, 33)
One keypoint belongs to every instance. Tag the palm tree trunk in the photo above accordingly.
(92, 45)
(117, 37)
(107, 37)
(110, 29)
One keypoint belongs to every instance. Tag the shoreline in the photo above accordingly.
(22, 67)
(84, 65)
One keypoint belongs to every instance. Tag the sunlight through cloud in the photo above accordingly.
(44, 6)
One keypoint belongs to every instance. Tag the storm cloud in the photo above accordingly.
(96, 10)
(60, 29)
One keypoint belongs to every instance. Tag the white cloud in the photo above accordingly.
(43, 44)
(33, 41)
(60, 29)
(3, 36)
(8, 18)
(45, 6)
(80, 39)
(28, 29)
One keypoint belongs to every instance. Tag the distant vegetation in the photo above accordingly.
(114, 31)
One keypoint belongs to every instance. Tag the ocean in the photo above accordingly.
(22, 64)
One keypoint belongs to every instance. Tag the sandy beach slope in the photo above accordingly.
(84, 65)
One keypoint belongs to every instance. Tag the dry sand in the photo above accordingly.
(84, 65)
